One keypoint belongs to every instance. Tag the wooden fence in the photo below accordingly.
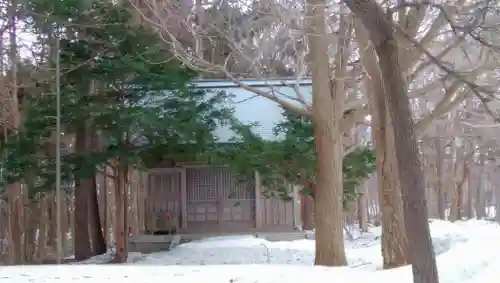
(39, 216)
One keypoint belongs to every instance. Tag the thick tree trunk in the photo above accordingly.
(83, 189)
(327, 115)
(98, 244)
(16, 253)
(328, 200)
(14, 191)
(411, 175)
(307, 211)
(394, 241)
(32, 218)
(121, 227)
(410, 171)
(43, 226)
(96, 234)
(85, 142)
(81, 233)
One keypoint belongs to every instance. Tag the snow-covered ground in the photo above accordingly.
(468, 252)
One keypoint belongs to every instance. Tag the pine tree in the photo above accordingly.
(123, 98)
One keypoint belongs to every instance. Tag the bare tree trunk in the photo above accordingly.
(394, 241)
(104, 190)
(83, 188)
(65, 223)
(42, 233)
(471, 192)
(410, 170)
(32, 216)
(15, 241)
(497, 202)
(480, 198)
(14, 191)
(363, 210)
(457, 201)
(52, 221)
(455, 204)
(327, 115)
(441, 202)
(120, 231)
(98, 244)
(430, 186)
(307, 204)
(456, 178)
(462, 196)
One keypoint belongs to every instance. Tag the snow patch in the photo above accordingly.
(467, 252)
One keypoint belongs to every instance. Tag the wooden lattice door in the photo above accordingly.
(217, 202)
(203, 210)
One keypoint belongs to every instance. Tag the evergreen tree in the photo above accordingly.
(124, 99)
(119, 79)
(288, 158)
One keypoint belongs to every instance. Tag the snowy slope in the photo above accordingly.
(467, 252)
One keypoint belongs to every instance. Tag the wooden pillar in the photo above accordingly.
(258, 201)
(183, 199)
(297, 219)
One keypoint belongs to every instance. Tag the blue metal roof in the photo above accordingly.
(251, 108)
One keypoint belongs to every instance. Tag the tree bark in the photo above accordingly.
(472, 187)
(480, 193)
(394, 241)
(456, 210)
(307, 204)
(83, 189)
(14, 191)
(52, 221)
(362, 212)
(42, 233)
(497, 202)
(32, 217)
(480, 201)
(121, 233)
(410, 172)
(98, 244)
(441, 202)
(430, 186)
(327, 115)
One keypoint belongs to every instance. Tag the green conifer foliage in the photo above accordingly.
(118, 80)
(289, 158)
